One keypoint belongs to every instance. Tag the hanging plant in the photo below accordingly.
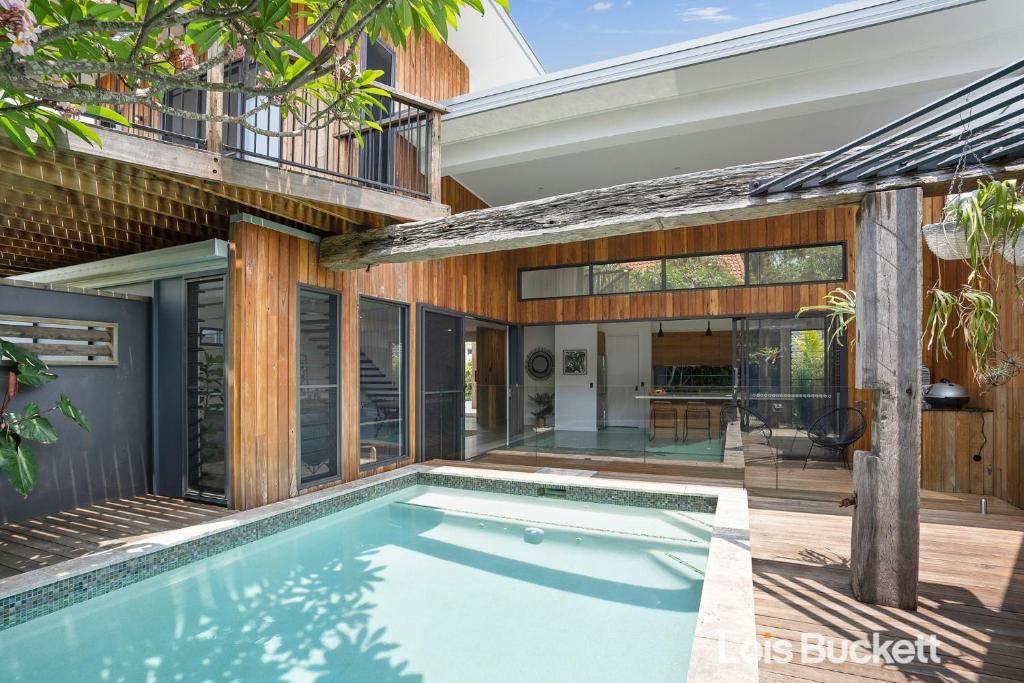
(840, 308)
(769, 355)
(988, 224)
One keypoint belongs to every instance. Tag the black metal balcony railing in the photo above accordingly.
(401, 157)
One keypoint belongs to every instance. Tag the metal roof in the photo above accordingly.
(979, 124)
(842, 18)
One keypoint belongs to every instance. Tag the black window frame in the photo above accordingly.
(405, 452)
(664, 259)
(336, 301)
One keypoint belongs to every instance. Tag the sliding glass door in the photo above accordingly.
(319, 449)
(486, 348)
(443, 396)
(789, 374)
(205, 426)
(383, 382)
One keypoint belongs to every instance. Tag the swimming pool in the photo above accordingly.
(426, 582)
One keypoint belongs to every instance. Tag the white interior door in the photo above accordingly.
(623, 358)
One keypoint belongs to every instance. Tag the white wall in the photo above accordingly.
(575, 398)
(541, 336)
(493, 49)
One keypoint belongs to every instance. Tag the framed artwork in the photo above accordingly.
(574, 361)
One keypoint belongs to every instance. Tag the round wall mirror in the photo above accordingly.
(540, 363)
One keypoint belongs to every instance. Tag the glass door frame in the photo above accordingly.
(507, 330)
(188, 491)
(836, 375)
(421, 359)
(421, 386)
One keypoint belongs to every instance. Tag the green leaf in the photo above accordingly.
(79, 129)
(34, 427)
(106, 113)
(19, 355)
(34, 377)
(297, 46)
(17, 136)
(18, 463)
(204, 35)
(105, 12)
(70, 410)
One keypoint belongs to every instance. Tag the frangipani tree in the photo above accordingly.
(54, 54)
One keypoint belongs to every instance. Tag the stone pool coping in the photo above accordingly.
(725, 623)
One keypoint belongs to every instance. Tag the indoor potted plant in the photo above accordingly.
(545, 403)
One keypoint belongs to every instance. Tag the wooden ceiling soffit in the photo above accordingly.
(75, 233)
(163, 157)
(91, 213)
(305, 213)
(691, 199)
(117, 183)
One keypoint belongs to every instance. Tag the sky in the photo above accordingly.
(568, 33)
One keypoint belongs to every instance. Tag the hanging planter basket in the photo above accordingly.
(948, 242)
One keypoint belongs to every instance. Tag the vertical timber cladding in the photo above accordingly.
(815, 227)
(267, 267)
(1006, 436)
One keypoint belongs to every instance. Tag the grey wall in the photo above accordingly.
(113, 460)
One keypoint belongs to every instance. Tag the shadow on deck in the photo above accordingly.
(43, 541)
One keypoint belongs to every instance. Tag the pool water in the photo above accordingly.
(425, 584)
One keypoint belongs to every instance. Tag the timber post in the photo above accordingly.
(884, 552)
(215, 107)
(434, 157)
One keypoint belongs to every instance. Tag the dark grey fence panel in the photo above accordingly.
(113, 460)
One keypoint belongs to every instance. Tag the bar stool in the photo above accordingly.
(667, 410)
(695, 412)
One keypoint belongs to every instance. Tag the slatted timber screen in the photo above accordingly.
(59, 341)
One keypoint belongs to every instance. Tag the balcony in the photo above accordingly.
(402, 158)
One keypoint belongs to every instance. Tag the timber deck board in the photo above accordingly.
(971, 592)
(43, 541)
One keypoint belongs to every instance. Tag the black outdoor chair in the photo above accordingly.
(836, 431)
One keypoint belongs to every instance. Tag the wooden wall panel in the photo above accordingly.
(833, 225)
(267, 266)
(429, 69)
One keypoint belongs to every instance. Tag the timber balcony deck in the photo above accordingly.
(44, 541)
(399, 158)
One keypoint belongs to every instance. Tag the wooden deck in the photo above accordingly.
(43, 541)
(828, 480)
(971, 593)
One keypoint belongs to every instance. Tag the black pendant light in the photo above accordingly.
(707, 332)
(661, 332)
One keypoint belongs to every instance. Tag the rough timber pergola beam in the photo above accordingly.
(700, 198)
